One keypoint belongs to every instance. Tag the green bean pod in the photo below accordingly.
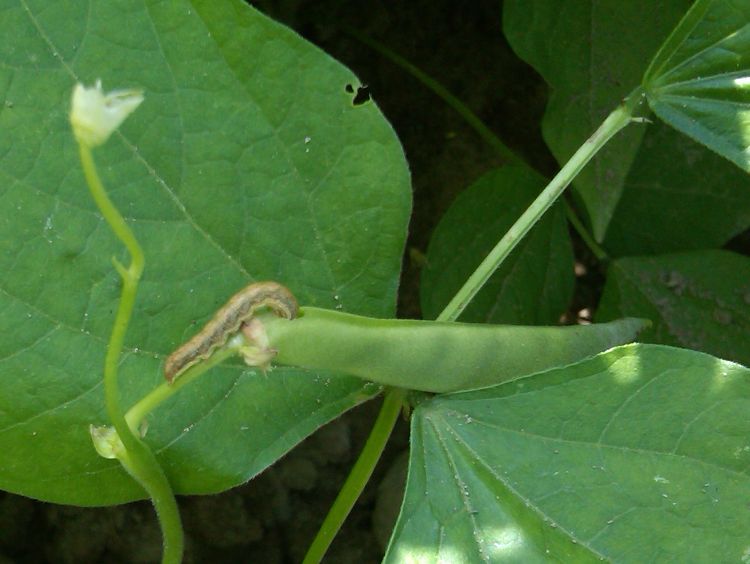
(435, 356)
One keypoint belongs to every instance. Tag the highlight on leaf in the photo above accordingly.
(699, 81)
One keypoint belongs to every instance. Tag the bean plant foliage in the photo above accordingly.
(241, 168)
(250, 160)
(669, 196)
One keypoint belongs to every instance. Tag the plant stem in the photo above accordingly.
(142, 465)
(165, 390)
(130, 278)
(588, 239)
(617, 120)
(359, 475)
(138, 459)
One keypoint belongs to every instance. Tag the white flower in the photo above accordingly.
(106, 441)
(95, 115)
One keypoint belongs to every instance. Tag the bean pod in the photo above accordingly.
(435, 356)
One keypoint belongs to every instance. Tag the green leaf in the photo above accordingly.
(592, 54)
(638, 455)
(247, 161)
(533, 286)
(699, 82)
(699, 300)
(680, 197)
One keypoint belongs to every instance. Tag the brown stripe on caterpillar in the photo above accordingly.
(227, 321)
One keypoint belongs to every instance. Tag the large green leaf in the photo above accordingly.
(699, 82)
(699, 300)
(638, 455)
(533, 286)
(247, 161)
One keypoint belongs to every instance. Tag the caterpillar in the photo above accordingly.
(227, 321)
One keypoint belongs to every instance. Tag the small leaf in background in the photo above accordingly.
(699, 82)
(246, 161)
(698, 300)
(592, 54)
(535, 283)
(636, 455)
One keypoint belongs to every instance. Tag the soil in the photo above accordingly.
(273, 518)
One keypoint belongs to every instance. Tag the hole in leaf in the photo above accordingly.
(361, 96)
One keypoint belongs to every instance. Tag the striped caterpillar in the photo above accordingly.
(227, 321)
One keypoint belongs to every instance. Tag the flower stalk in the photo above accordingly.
(94, 116)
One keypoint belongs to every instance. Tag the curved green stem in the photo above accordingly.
(137, 459)
(142, 465)
(359, 475)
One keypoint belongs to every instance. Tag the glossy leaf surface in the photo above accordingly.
(640, 454)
